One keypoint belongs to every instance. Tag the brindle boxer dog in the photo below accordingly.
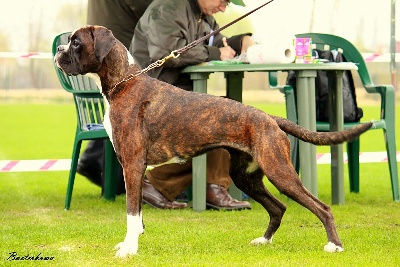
(152, 123)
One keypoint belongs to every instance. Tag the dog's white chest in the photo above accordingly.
(107, 121)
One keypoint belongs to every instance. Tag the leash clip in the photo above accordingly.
(174, 54)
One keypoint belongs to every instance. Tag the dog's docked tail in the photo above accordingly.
(321, 138)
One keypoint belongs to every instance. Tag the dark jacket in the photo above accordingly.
(168, 25)
(120, 16)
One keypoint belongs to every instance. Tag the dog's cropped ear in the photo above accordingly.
(103, 41)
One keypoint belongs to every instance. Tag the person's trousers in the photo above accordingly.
(171, 179)
(92, 158)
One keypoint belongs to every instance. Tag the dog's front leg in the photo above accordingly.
(133, 185)
(131, 242)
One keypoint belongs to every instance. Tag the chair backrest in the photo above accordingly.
(88, 99)
(325, 41)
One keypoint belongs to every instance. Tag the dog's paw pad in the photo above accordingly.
(124, 249)
(261, 241)
(331, 247)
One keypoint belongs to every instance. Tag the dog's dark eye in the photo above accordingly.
(76, 43)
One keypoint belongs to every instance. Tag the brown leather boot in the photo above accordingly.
(155, 199)
(217, 197)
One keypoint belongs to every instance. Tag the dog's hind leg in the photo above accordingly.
(296, 191)
(133, 174)
(280, 172)
(249, 178)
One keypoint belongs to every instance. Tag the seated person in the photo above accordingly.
(165, 26)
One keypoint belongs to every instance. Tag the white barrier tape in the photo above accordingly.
(365, 157)
(26, 55)
(382, 57)
(35, 165)
(368, 57)
(64, 164)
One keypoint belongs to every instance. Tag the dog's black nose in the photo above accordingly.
(60, 48)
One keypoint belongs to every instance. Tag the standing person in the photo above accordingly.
(119, 16)
(165, 26)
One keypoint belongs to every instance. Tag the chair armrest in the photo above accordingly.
(273, 82)
(386, 90)
(387, 100)
(284, 89)
(85, 92)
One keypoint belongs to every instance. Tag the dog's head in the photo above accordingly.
(85, 51)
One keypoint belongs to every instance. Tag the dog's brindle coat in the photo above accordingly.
(151, 123)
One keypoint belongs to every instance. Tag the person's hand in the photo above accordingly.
(226, 52)
(247, 41)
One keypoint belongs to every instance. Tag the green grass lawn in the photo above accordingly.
(33, 220)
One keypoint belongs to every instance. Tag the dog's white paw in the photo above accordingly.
(261, 241)
(131, 241)
(125, 249)
(331, 247)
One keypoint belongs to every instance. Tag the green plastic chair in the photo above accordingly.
(90, 111)
(386, 111)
